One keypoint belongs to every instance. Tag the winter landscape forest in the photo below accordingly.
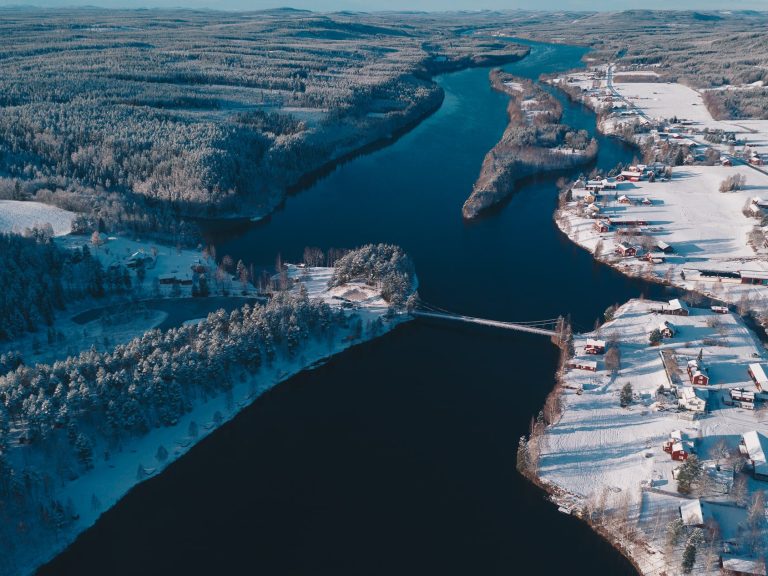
(197, 206)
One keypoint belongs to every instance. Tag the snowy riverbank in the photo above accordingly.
(99, 488)
(714, 240)
(608, 464)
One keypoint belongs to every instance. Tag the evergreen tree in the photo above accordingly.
(625, 397)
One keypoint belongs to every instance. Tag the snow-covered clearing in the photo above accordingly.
(658, 102)
(707, 229)
(101, 487)
(17, 216)
(599, 450)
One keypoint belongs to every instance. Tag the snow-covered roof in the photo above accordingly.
(677, 304)
(676, 434)
(758, 373)
(595, 343)
(758, 274)
(623, 197)
(743, 565)
(755, 443)
(662, 245)
(691, 513)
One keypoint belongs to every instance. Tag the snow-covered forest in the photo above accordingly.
(138, 119)
(57, 420)
(38, 277)
(384, 264)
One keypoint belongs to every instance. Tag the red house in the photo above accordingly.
(678, 452)
(589, 365)
(594, 346)
(626, 250)
(696, 372)
(602, 226)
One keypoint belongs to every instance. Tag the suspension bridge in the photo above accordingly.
(552, 327)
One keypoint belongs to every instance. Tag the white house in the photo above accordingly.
(755, 446)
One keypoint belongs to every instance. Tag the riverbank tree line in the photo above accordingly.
(144, 119)
(57, 420)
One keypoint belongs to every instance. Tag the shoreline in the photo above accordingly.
(624, 486)
(118, 470)
(510, 159)
(364, 146)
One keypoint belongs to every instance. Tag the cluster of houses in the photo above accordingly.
(677, 447)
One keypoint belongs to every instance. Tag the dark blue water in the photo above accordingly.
(396, 457)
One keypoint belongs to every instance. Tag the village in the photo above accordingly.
(696, 227)
(663, 423)
(635, 104)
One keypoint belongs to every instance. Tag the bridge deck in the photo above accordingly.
(485, 322)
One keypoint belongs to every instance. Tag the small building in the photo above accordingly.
(593, 210)
(594, 346)
(678, 452)
(697, 373)
(757, 373)
(589, 197)
(742, 565)
(664, 247)
(754, 446)
(631, 175)
(602, 226)
(630, 223)
(719, 309)
(667, 329)
(677, 307)
(687, 399)
(610, 184)
(626, 250)
(741, 398)
(725, 161)
(647, 201)
(595, 185)
(624, 199)
(754, 277)
(589, 365)
(692, 513)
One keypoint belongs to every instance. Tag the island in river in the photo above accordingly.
(535, 141)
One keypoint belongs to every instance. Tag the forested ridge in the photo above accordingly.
(140, 119)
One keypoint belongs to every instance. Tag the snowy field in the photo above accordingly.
(599, 450)
(17, 216)
(110, 479)
(706, 228)
(660, 101)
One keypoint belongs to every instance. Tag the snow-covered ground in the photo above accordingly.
(657, 102)
(101, 487)
(706, 228)
(598, 450)
(161, 261)
(17, 216)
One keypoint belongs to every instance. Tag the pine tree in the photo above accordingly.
(690, 473)
(625, 397)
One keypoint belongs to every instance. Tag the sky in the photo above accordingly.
(430, 5)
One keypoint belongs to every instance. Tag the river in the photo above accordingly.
(397, 456)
